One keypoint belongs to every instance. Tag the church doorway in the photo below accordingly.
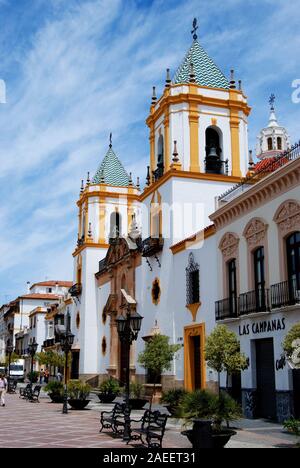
(194, 361)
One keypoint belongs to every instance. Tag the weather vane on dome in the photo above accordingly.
(110, 140)
(195, 27)
(272, 101)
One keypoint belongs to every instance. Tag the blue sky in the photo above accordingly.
(76, 70)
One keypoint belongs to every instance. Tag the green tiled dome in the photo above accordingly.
(112, 171)
(206, 71)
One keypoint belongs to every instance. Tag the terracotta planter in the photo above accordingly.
(78, 404)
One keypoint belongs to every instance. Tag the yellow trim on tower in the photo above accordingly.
(167, 140)
(188, 175)
(102, 217)
(152, 149)
(189, 332)
(86, 227)
(194, 132)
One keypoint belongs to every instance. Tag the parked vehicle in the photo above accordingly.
(17, 370)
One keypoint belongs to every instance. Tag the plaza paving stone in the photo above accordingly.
(42, 425)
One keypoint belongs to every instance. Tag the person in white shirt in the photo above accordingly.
(3, 387)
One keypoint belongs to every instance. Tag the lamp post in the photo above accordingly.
(32, 349)
(66, 342)
(9, 351)
(128, 328)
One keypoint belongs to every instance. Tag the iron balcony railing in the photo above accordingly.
(285, 294)
(254, 302)
(227, 308)
(274, 163)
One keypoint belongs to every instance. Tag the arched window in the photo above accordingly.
(160, 158)
(279, 143)
(83, 224)
(293, 261)
(270, 144)
(192, 281)
(115, 225)
(213, 148)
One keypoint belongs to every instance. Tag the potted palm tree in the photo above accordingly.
(55, 391)
(172, 399)
(136, 400)
(206, 414)
(109, 390)
(78, 394)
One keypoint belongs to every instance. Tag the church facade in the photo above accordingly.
(156, 251)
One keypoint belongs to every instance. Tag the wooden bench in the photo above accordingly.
(152, 429)
(115, 419)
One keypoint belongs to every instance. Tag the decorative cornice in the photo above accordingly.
(89, 246)
(255, 232)
(188, 175)
(189, 241)
(272, 186)
(229, 246)
(288, 216)
(198, 99)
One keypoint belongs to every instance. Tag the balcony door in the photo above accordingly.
(259, 278)
(232, 287)
(293, 263)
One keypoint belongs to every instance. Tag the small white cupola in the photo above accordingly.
(273, 139)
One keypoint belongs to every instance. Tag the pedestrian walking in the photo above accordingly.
(46, 376)
(41, 376)
(59, 376)
(3, 388)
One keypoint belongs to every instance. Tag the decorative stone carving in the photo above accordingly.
(255, 232)
(229, 246)
(288, 217)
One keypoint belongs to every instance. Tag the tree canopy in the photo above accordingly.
(158, 354)
(223, 353)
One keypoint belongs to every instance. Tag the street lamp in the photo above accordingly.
(128, 328)
(66, 342)
(9, 351)
(32, 349)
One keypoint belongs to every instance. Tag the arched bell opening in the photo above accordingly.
(159, 171)
(214, 163)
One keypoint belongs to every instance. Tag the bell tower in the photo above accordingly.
(205, 113)
(273, 139)
(107, 207)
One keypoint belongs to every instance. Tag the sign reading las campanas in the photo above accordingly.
(264, 326)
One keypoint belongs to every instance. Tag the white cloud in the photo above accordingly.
(89, 70)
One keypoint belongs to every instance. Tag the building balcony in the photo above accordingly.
(49, 343)
(152, 246)
(285, 294)
(227, 309)
(75, 290)
(254, 302)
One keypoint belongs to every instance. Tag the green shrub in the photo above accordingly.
(55, 388)
(110, 386)
(78, 390)
(173, 397)
(293, 426)
(292, 335)
(33, 377)
(136, 390)
(202, 404)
